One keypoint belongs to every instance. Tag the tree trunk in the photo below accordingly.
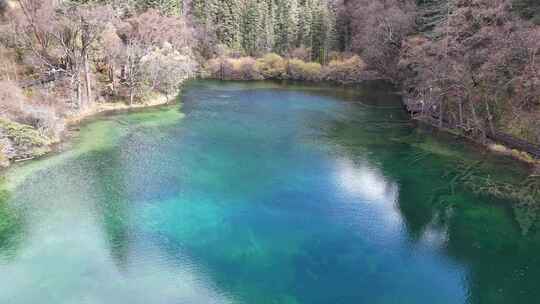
(111, 77)
(87, 79)
(490, 118)
(441, 113)
(80, 102)
(460, 113)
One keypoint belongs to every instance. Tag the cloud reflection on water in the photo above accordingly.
(65, 258)
(362, 182)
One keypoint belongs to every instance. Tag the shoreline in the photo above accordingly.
(491, 145)
(62, 149)
(112, 107)
(78, 118)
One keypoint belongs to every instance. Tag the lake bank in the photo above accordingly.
(367, 90)
(494, 141)
(500, 148)
(94, 133)
(21, 142)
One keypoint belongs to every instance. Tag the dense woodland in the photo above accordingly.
(470, 65)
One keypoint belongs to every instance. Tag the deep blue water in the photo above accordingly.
(262, 193)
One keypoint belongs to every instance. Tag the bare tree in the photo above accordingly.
(145, 38)
(32, 29)
(60, 37)
(77, 28)
(376, 29)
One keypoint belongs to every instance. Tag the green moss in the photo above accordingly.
(10, 222)
(437, 148)
(26, 136)
(104, 134)
(100, 135)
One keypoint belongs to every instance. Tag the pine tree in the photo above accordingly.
(166, 7)
(303, 37)
(260, 26)
(332, 35)
(203, 11)
(292, 23)
(284, 26)
(318, 33)
(251, 27)
(280, 28)
(267, 39)
(227, 23)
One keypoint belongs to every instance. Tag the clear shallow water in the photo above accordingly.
(261, 194)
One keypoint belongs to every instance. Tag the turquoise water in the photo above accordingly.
(263, 193)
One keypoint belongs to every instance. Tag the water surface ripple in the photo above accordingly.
(262, 193)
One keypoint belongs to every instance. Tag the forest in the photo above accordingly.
(470, 66)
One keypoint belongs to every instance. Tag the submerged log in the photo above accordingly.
(416, 109)
(515, 143)
(17, 160)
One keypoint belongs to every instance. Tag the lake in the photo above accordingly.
(264, 193)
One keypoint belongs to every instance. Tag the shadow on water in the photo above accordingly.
(79, 244)
(11, 225)
(498, 239)
(112, 203)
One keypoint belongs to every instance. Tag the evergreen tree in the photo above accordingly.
(251, 27)
(227, 23)
(292, 23)
(203, 11)
(166, 7)
(286, 26)
(267, 39)
(303, 37)
(318, 33)
(332, 35)
(261, 26)
(281, 28)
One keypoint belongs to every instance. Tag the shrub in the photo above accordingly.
(301, 53)
(11, 99)
(345, 68)
(45, 120)
(220, 68)
(243, 68)
(246, 69)
(8, 68)
(271, 66)
(213, 68)
(166, 68)
(22, 134)
(344, 71)
(17, 107)
(300, 70)
(340, 56)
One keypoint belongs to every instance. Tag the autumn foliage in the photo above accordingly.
(273, 66)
